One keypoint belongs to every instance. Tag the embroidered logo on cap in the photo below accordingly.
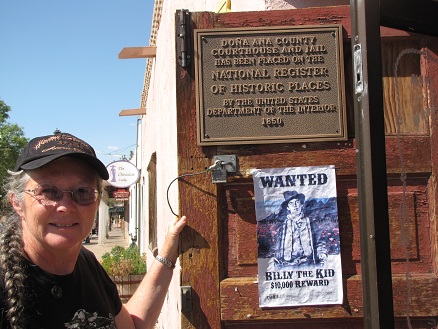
(63, 142)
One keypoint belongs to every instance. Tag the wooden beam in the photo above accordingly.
(138, 52)
(139, 111)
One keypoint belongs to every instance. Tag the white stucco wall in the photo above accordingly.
(158, 126)
(103, 218)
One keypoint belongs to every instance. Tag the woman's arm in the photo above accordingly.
(144, 307)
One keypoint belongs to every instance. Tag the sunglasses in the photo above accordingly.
(48, 194)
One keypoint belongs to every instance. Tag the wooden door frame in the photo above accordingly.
(200, 242)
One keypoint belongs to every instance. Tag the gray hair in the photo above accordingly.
(11, 262)
(16, 183)
(12, 273)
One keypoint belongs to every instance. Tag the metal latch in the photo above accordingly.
(186, 299)
(226, 164)
(358, 69)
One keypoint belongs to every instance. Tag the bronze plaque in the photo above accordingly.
(270, 85)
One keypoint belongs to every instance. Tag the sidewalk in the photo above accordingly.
(115, 238)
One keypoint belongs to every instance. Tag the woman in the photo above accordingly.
(49, 280)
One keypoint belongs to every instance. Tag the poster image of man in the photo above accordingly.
(292, 238)
(296, 244)
(299, 257)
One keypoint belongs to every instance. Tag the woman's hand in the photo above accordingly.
(144, 307)
(177, 226)
(170, 246)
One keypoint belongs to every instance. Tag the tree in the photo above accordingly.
(12, 141)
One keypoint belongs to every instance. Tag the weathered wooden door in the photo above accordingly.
(219, 248)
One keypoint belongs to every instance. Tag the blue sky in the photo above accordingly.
(59, 68)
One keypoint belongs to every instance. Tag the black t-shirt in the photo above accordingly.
(86, 298)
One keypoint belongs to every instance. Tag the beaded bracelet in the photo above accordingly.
(165, 261)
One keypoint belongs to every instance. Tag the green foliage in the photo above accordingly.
(122, 261)
(12, 141)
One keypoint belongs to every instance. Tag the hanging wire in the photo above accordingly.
(216, 165)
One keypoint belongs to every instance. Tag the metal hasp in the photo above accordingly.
(358, 70)
(186, 299)
(228, 164)
(182, 21)
(377, 296)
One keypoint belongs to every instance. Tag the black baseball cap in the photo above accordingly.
(42, 150)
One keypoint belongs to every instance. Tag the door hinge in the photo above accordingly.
(182, 22)
(186, 299)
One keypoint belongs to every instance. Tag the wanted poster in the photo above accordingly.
(299, 259)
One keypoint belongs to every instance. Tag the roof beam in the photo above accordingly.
(139, 111)
(138, 52)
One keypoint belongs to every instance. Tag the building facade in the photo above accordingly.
(215, 282)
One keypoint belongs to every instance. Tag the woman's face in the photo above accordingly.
(62, 224)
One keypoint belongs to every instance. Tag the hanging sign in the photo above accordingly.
(299, 259)
(122, 173)
(121, 195)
